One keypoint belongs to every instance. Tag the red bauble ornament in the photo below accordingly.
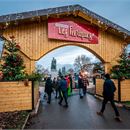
(1, 75)
(17, 46)
(12, 37)
(10, 73)
(4, 64)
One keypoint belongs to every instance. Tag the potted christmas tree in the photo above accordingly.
(12, 67)
(121, 72)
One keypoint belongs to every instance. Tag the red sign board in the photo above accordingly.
(65, 29)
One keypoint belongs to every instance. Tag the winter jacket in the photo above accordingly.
(80, 82)
(85, 82)
(68, 81)
(48, 86)
(109, 89)
(63, 85)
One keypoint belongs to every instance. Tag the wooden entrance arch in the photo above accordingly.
(31, 32)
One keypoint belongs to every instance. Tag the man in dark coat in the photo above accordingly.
(48, 88)
(63, 91)
(108, 95)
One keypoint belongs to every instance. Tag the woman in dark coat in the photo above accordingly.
(48, 88)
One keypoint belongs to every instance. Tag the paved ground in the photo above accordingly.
(81, 114)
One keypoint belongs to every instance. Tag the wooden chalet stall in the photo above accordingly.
(122, 93)
(15, 95)
(41, 31)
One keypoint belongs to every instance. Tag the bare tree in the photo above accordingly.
(41, 70)
(98, 67)
(82, 62)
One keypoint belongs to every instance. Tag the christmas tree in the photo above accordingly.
(12, 67)
(122, 70)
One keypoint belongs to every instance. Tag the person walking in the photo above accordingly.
(85, 83)
(108, 95)
(63, 91)
(55, 86)
(68, 85)
(71, 85)
(80, 84)
(48, 88)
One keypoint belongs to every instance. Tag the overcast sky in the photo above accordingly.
(117, 11)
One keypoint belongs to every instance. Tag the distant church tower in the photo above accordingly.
(53, 64)
(54, 72)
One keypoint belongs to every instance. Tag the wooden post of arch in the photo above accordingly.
(107, 66)
(32, 66)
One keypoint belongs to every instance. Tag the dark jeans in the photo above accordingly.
(63, 96)
(112, 104)
(49, 97)
(57, 91)
(84, 90)
(71, 87)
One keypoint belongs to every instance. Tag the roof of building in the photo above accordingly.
(64, 9)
